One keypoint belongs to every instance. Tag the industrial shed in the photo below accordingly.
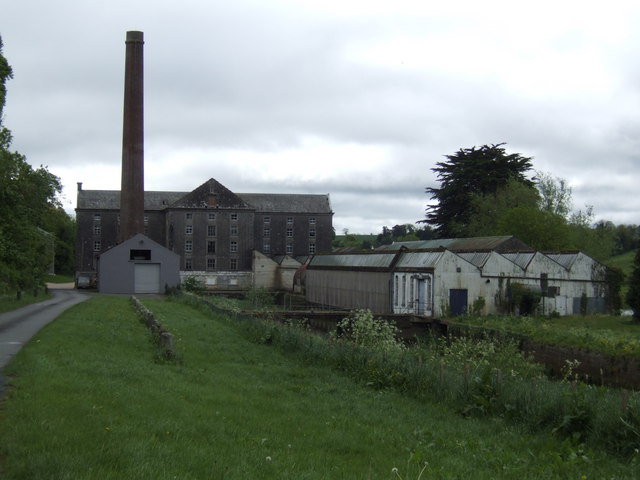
(454, 278)
(138, 265)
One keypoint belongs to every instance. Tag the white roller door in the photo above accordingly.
(147, 278)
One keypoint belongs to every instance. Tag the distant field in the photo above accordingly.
(89, 399)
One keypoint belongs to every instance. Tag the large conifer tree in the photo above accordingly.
(466, 174)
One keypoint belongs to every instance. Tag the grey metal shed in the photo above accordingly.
(138, 265)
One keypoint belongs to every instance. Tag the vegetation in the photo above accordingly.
(484, 191)
(469, 172)
(633, 294)
(612, 335)
(10, 302)
(233, 409)
(32, 221)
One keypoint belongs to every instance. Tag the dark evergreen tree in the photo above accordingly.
(633, 294)
(465, 175)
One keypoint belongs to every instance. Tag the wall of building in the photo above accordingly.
(349, 289)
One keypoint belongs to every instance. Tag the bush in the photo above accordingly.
(193, 284)
(364, 330)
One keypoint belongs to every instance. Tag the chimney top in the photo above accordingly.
(135, 36)
(79, 186)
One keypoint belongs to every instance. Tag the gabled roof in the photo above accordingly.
(211, 194)
(365, 261)
(110, 199)
(496, 243)
(521, 259)
(566, 259)
(287, 203)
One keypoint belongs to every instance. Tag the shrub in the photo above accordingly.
(193, 284)
(366, 331)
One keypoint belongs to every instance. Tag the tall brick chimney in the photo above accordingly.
(132, 186)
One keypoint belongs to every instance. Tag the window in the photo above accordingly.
(146, 219)
(97, 245)
(234, 217)
(312, 248)
(188, 246)
(187, 263)
(233, 264)
(404, 290)
(233, 247)
(289, 220)
(139, 254)
(211, 263)
(188, 229)
(266, 219)
(289, 232)
(266, 232)
(234, 229)
(312, 232)
(211, 246)
(211, 230)
(97, 217)
(395, 290)
(312, 220)
(212, 217)
(266, 246)
(188, 215)
(289, 248)
(97, 230)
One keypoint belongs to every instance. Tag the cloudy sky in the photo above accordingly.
(358, 99)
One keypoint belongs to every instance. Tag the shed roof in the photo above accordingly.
(497, 243)
(521, 259)
(354, 260)
(566, 259)
(419, 259)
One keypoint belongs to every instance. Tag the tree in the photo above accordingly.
(27, 195)
(468, 173)
(633, 294)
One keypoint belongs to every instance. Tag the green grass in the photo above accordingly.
(624, 262)
(612, 335)
(9, 302)
(59, 279)
(88, 399)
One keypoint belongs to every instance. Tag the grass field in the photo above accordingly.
(89, 399)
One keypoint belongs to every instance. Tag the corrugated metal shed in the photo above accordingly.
(564, 259)
(475, 258)
(522, 259)
(355, 261)
(410, 260)
(498, 243)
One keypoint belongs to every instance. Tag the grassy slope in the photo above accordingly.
(87, 400)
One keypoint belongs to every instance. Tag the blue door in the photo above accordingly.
(458, 301)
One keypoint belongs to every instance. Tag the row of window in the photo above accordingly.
(211, 263)
(97, 217)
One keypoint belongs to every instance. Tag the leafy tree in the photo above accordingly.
(26, 197)
(633, 294)
(555, 194)
(491, 211)
(468, 173)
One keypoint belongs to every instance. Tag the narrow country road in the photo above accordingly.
(18, 326)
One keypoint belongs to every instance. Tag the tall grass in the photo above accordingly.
(612, 335)
(88, 399)
(478, 387)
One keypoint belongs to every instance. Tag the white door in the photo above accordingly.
(147, 278)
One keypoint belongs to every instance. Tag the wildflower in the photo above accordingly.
(268, 459)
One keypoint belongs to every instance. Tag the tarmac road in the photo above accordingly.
(18, 326)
